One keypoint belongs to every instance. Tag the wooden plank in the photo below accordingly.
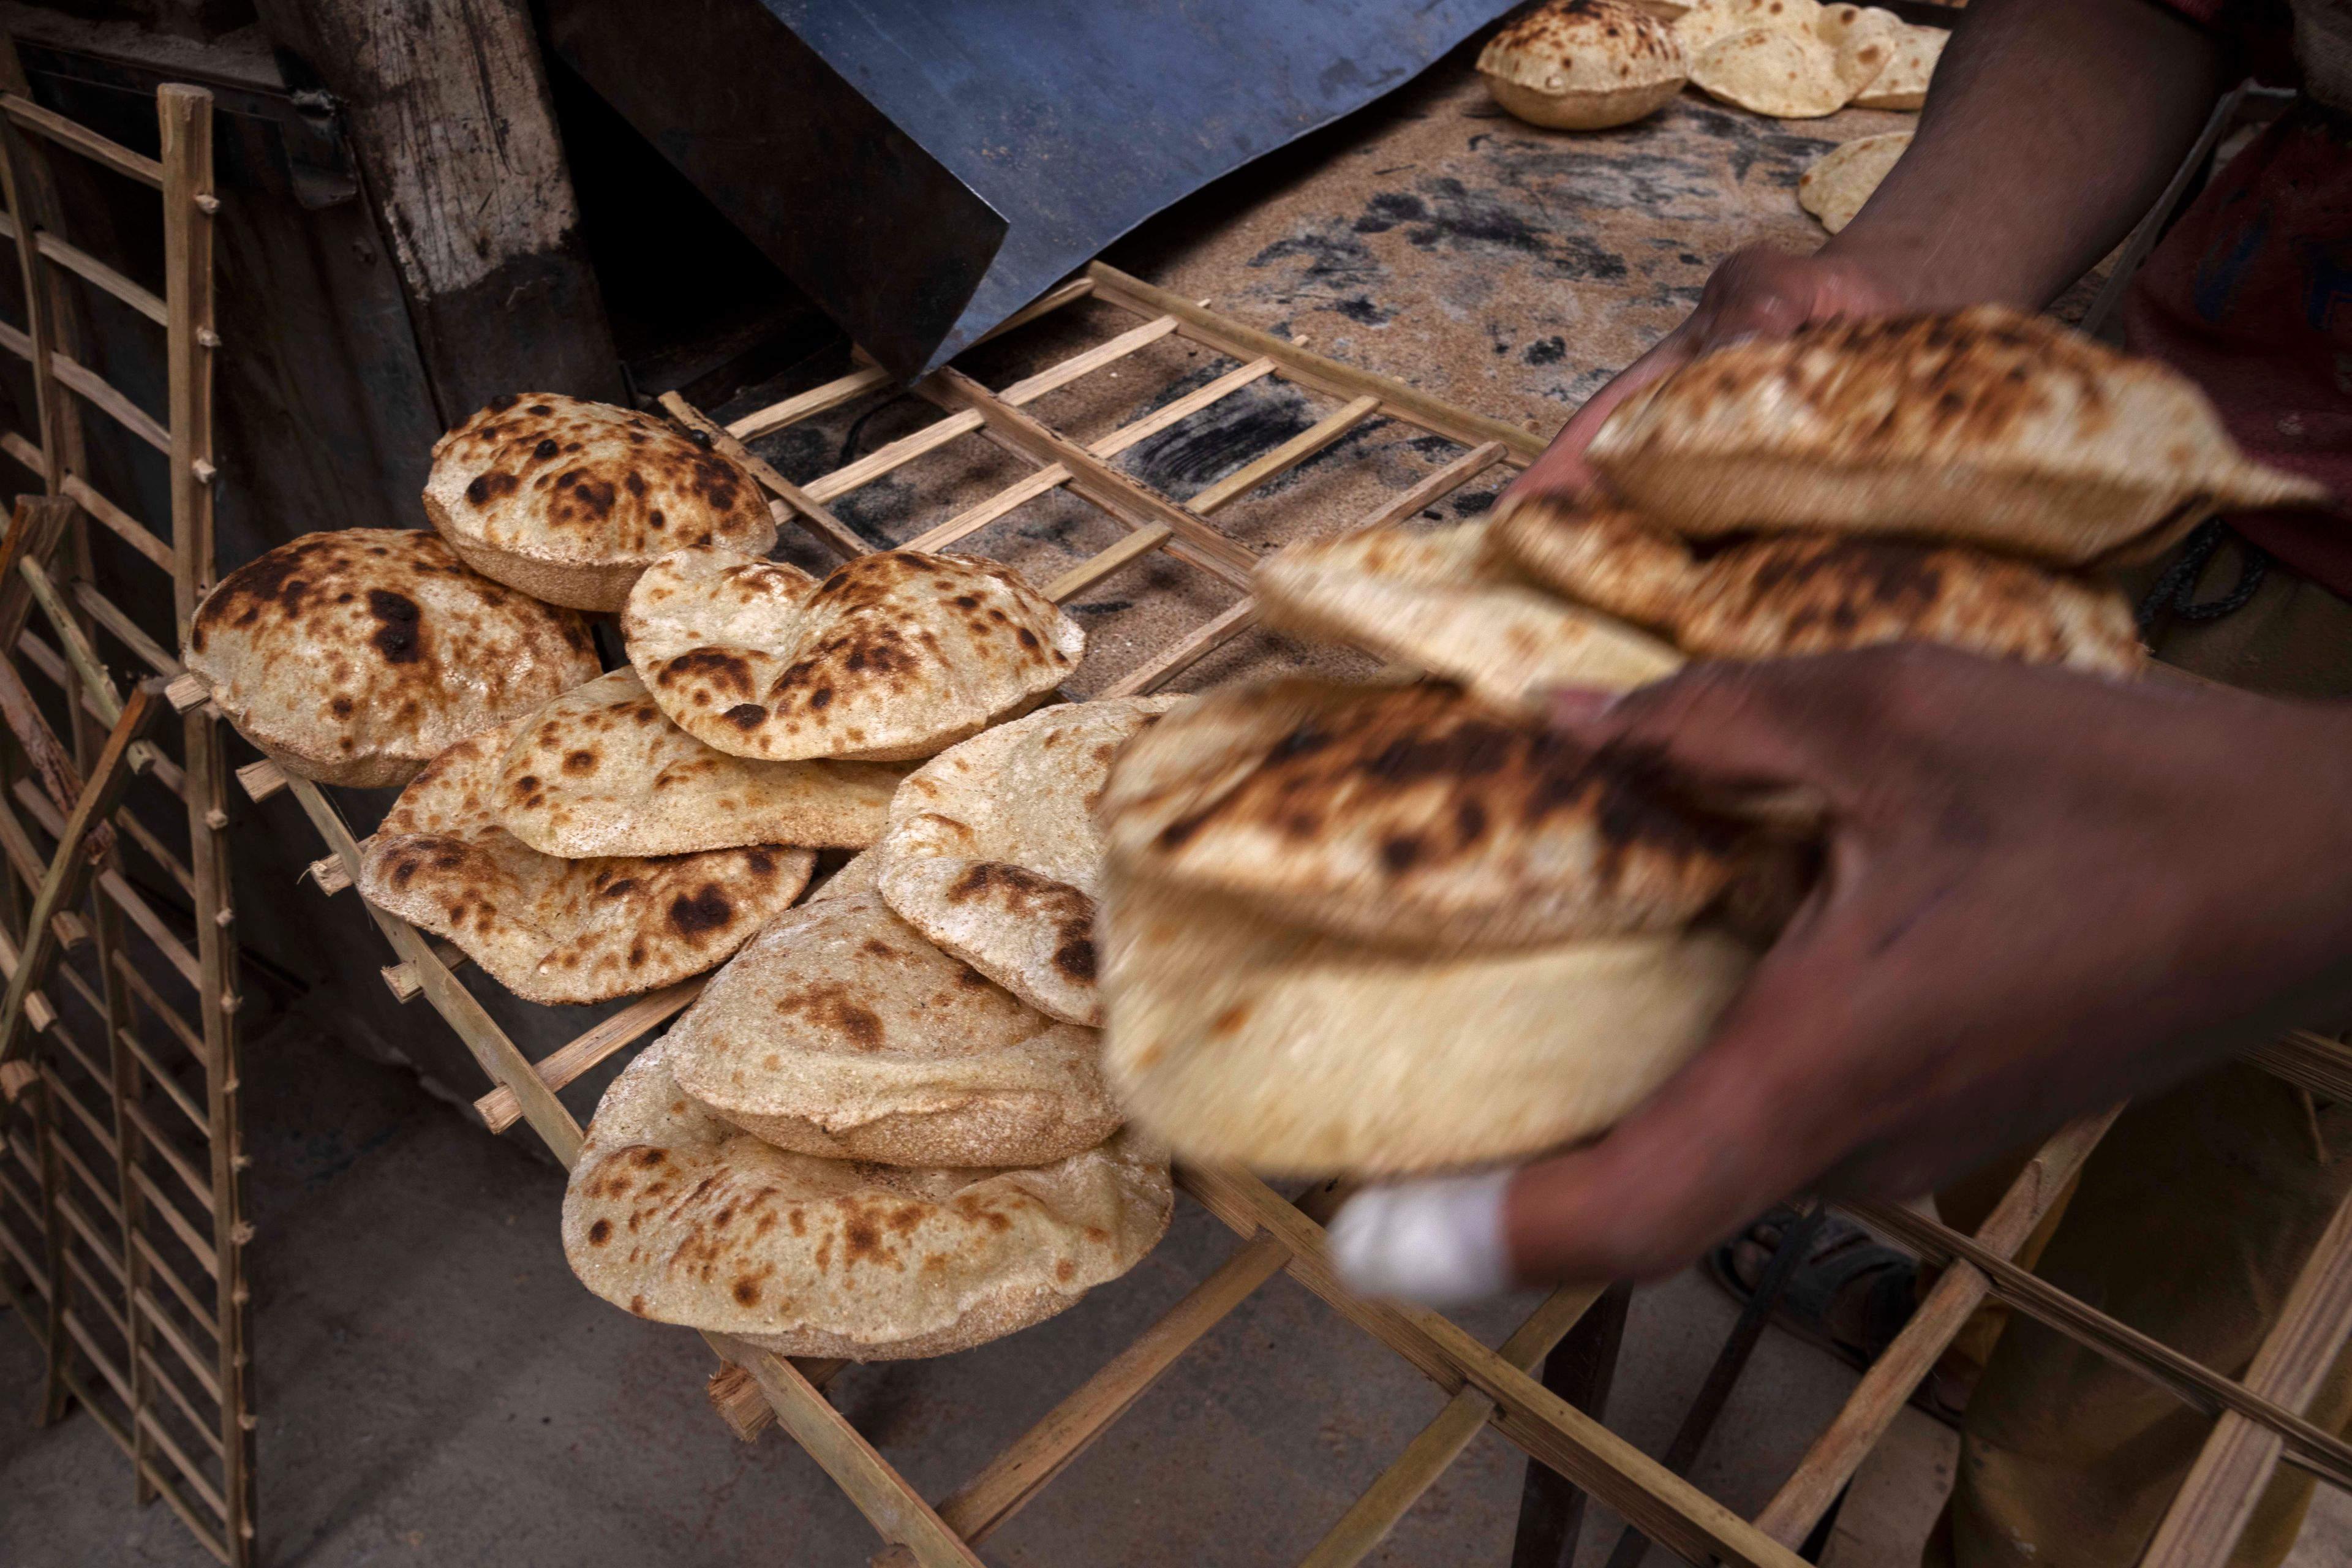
(90, 270)
(87, 666)
(1326, 375)
(51, 766)
(56, 129)
(803, 405)
(829, 530)
(126, 631)
(894, 454)
(492, 1048)
(198, 1313)
(102, 394)
(1284, 458)
(188, 1037)
(143, 915)
(2308, 1061)
(1095, 568)
(1181, 409)
(131, 827)
(15, 445)
(262, 779)
(129, 529)
(1054, 377)
(980, 514)
(1883, 1391)
(895, 1509)
(1666, 1508)
(1370, 1518)
(499, 1109)
(181, 1226)
(34, 528)
(179, 1343)
(1067, 293)
(407, 985)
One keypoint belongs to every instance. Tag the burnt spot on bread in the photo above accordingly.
(398, 632)
(746, 716)
(833, 1006)
(707, 910)
(600, 1233)
(486, 488)
(718, 668)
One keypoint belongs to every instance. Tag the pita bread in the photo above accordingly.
(1663, 10)
(1787, 75)
(1410, 815)
(356, 657)
(994, 855)
(1863, 39)
(895, 656)
(1904, 83)
(1709, 20)
(1842, 179)
(1239, 1037)
(602, 771)
(839, 1031)
(1438, 601)
(856, 875)
(551, 929)
(1812, 593)
(1583, 65)
(674, 1214)
(1979, 427)
(570, 501)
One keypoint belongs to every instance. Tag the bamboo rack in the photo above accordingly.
(2260, 1425)
(122, 1224)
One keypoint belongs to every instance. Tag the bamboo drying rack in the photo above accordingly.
(2258, 1428)
(127, 1237)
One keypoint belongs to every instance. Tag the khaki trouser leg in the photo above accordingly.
(2190, 1223)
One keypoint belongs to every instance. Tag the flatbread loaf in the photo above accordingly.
(1239, 1037)
(570, 501)
(602, 771)
(674, 1214)
(1438, 601)
(1583, 65)
(1981, 426)
(1863, 39)
(992, 852)
(1815, 593)
(1787, 75)
(551, 929)
(839, 1031)
(1410, 815)
(1709, 20)
(355, 657)
(1904, 83)
(856, 875)
(895, 656)
(1842, 179)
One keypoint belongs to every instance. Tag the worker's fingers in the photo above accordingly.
(1561, 471)
(1436, 1242)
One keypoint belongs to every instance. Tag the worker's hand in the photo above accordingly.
(1756, 293)
(2043, 892)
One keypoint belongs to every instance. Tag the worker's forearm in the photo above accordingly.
(2052, 126)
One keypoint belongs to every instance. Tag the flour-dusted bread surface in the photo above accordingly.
(1440, 601)
(1863, 39)
(355, 657)
(1787, 594)
(993, 851)
(1787, 75)
(1413, 815)
(1904, 83)
(1236, 1037)
(1842, 179)
(552, 929)
(894, 656)
(1709, 20)
(603, 771)
(678, 1216)
(839, 1031)
(1582, 65)
(570, 500)
(1978, 426)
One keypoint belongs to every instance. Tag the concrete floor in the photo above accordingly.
(435, 1388)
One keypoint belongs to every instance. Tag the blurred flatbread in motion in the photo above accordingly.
(1844, 178)
(1437, 601)
(1904, 83)
(552, 929)
(1583, 65)
(894, 656)
(356, 657)
(1981, 426)
(603, 771)
(675, 1214)
(992, 852)
(1237, 1037)
(1410, 815)
(839, 1031)
(1784, 595)
(1787, 75)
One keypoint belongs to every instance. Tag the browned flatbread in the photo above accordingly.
(1815, 592)
(570, 500)
(1582, 65)
(358, 656)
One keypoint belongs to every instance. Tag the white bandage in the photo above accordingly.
(1438, 1242)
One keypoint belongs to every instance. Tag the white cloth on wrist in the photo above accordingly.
(1437, 1242)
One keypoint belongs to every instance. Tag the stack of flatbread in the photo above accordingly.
(1397, 929)
(1799, 59)
(882, 1129)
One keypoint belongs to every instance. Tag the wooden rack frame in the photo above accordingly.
(2260, 1426)
(121, 1221)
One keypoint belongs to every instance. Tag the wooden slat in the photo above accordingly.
(125, 630)
(15, 445)
(91, 1295)
(198, 1313)
(406, 982)
(980, 514)
(180, 1401)
(205, 1530)
(829, 530)
(87, 667)
(2234, 1468)
(1067, 293)
(98, 1130)
(188, 1468)
(129, 529)
(894, 454)
(262, 779)
(181, 1225)
(499, 1109)
(1095, 568)
(2308, 1061)
(154, 848)
(328, 874)
(801, 405)
(1180, 409)
(1662, 1505)
(143, 915)
(90, 270)
(56, 129)
(163, 1010)
(1054, 377)
(181, 1165)
(171, 1091)
(1284, 458)
(94, 387)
